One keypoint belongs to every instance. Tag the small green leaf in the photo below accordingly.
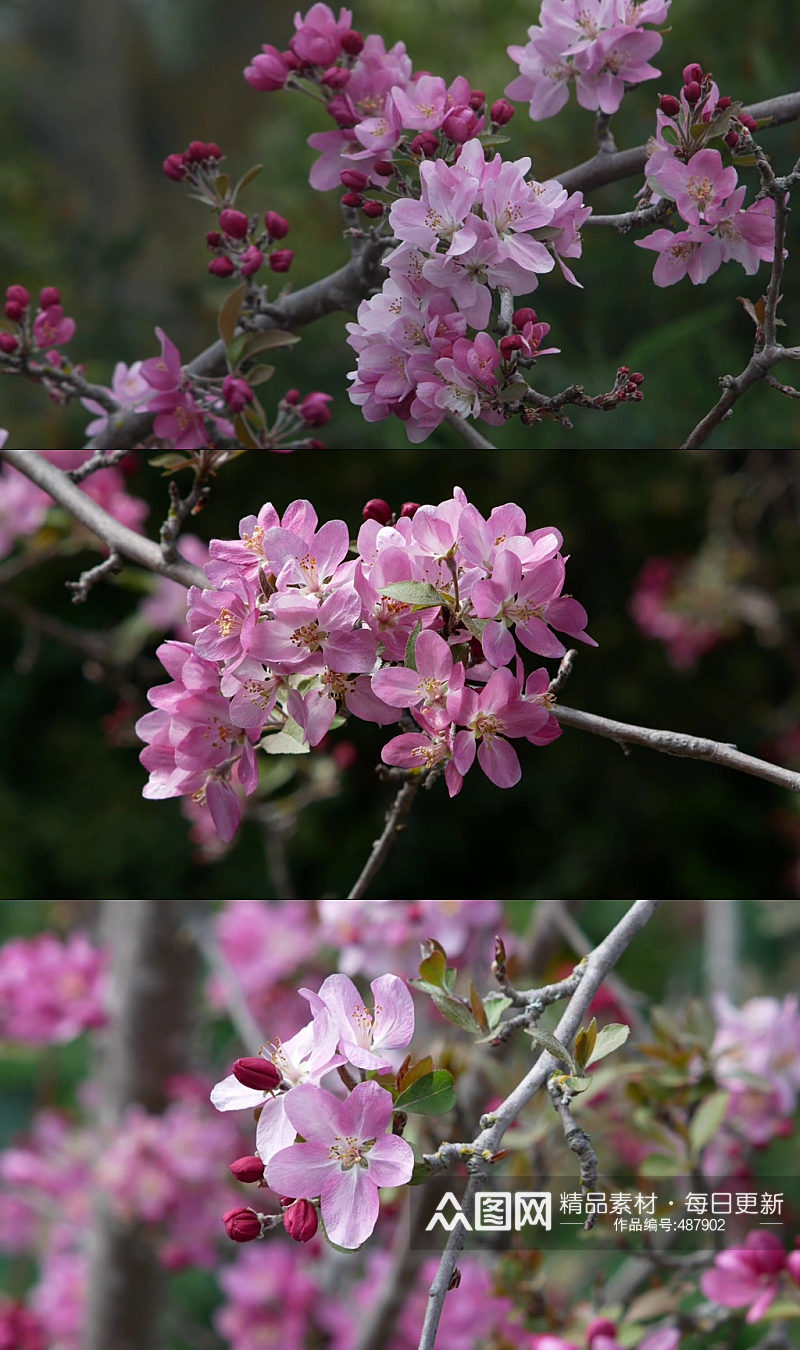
(222, 183)
(474, 626)
(418, 594)
(495, 1005)
(229, 312)
(409, 660)
(574, 1084)
(707, 1119)
(455, 1011)
(584, 1044)
(491, 138)
(670, 135)
(478, 1010)
(429, 1096)
(259, 374)
(421, 1172)
(247, 178)
(243, 433)
(268, 341)
(514, 392)
(609, 1040)
(235, 350)
(659, 1165)
(432, 969)
(290, 740)
(549, 1042)
(415, 1071)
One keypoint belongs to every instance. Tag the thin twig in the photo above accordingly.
(469, 433)
(117, 537)
(577, 1140)
(494, 1125)
(89, 579)
(394, 824)
(101, 460)
(676, 743)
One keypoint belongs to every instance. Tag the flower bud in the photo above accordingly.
(8, 343)
(748, 121)
(341, 110)
(49, 296)
(237, 393)
(425, 144)
(352, 199)
(669, 104)
(732, 140)
(692, 92)
(300, 1221)
(221, 267)
(281, 260)
(409, 509)
(377, 509)
(384, 168)
(692, 73)
(213, 239)
(250, 261)
(269, 70)
(250, 1168)
(477, 100)
(637, 377)
(314, 409)
(174, 167)
(501, 112)
(336, 77)
(254, 1071)
(353, 178)
(352, 42)
(793, 1266)
(277, 226)
(19, 295)
(234, 223)
(723, 103)
(317, 445)
(291, 397)
(372, 209)
(523, 316)
(242, 1225)
(511, 344)
(14, 311)
(460, 125)
(599, 1326)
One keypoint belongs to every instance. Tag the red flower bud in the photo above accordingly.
(352, 199)
(523, 316)
(8, 343)
(336, 77)
(460, 125)
(409, 509)
(372, 209)
(477, 100)
(300, 1221)
(425, 144)
(692, 92)
(174, 167)
(237, 393)
(599, 1326)
(693, 73)
(384, 168)
(19, 295)
(234, 223)
(250, 1168)
(341, 110)
(213, 151)
(250, 261)
(377, 509)
(242, 1225)
(254, 1071)
(669, 104)
(637, 377)
(277, 226)
(221, 267)
(748, 121)
(732, 140)
(291, 397)
(195, 152)
(49, 296)
(510, 344)
(352, 42)
(281, 260)
(723, 103)
(317, 445)
(353, 178)
(501, 112)
(213, 239)
(314, 409)
(14, 311)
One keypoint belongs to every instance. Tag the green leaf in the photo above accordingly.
(288, 741)
(229, 312)
(707, 1119)
(235, 350)
(660, 1165)
(549, 1042)
(576, 1084)
(609, 1040)
(421, 1172)
(268, 341)
(432, 969)
(478, 1010)
(243, 433)
(222, 183)
(515, 391)
(409, 660)
(495, 1005)
(259, 374)
(247, 178)
(585, 1042)
(415, 1071)
(670, 135)
(429, 1096)
(492, 138)
(474, 626)
(454, 1010)
(418, 594)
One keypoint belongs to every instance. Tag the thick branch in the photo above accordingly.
(494, 1126)
(117, 537)
(676, 743)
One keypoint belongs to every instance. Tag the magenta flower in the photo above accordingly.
(346, 1157)
(318, 39)
(699, 188)
(304, 635)
(268, 70)
(51, 328)
(362, 1033)
(695, 252)
(532, 602)
(428, 685)
(163, 372)
(748, 1277)
(489, 716)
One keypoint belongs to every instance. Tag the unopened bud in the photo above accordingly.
(336, 77)
(425, 144)
(300, 1221)
(8, 343)
(250, 261)
(354, 178)
(174, 167)
(522, 316)
(692, 73)
(19, 295)
(669, 104)
(600, 1326)
(221, 267)
(352, 42)
(254, 1071)
(409, 509)
(352, 199)
(281, 259)
(723, 103)
(384, 168)
(14, 311)
(501, 112)
(242, 1225)
(691, 92)
(372, 209)
(477, 100)
(314, 409)
(234, 223)
(377, 509)
(732, 140)
(213, 239)
(748, 121)
(249, 1168)
(278, 226)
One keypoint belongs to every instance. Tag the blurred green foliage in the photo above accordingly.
(586, 821)
(84, 126)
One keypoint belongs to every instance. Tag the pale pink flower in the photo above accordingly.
(699, 188)
(346, 1157)
(318, 39)
(694, 252)
(51, 328)
(362, 1034)
(748, 1276)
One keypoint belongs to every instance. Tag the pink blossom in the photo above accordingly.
(128, 387)
(422, 106)
(748, 1276)
(51, 328)
(51, 990)
(23, 507)
(347, 1156)
(362, 1034)
(178, 420)
(427, 686)
(699, 188)
(304, 635)
(268, 1289)
(163, 372)
(695, 252)
(318, 39)
(532, 602)
(489, 716)
(268, 70)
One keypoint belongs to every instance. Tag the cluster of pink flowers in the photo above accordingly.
(345, 1154)
(476, 227)
(48, 327)
(51, 990)
(600, 45)
(684, 169)
(750, 1276)
(291, 630)
(601, 1334)
(24, 506)
(681, 605)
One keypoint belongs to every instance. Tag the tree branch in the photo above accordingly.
(380, 849)
(469, 433)
(676, 743)
(494, 1126)
(118, 538)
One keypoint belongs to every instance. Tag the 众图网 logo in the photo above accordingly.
(494, 1211)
